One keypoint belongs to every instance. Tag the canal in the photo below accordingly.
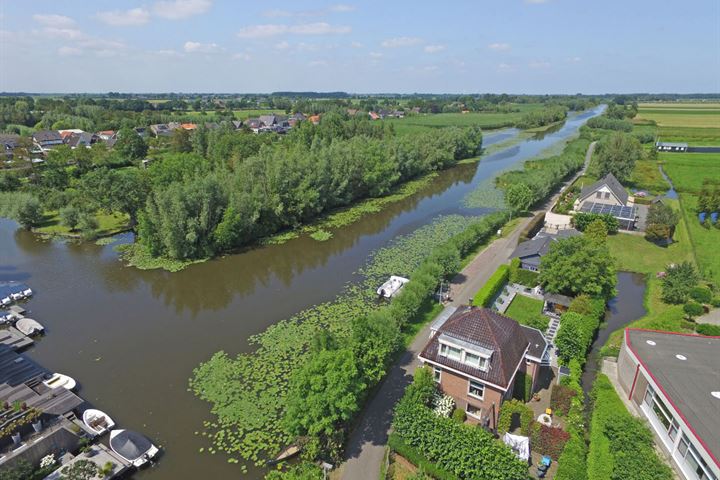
(131, 338)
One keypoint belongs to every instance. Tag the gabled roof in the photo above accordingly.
(487, 330)
(9, 140)
(47, 136)
(540, 244)
(268, 120)
(538, 343)
(612, 183)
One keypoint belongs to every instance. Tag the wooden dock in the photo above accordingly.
(12, 337)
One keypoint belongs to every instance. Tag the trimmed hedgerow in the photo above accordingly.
(487, 292)
(508, 410)
(396, 444)
(464, 450)
(621, 446)
(708, 329)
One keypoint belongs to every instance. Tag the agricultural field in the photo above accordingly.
(490, 120)
(688, 170)
(695, 123)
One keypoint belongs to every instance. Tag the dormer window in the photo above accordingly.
(453, 353)
(472, 357)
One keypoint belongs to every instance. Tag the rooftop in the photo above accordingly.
(687, 370)
(612, 183)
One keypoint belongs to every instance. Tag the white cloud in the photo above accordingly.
(356, 45)
(197, 47)
(318, 63)
(69, 51)
(430, 68)
(401, 42)
(181, 9)
(499, 47)
(66, 33)
(574, 59)
(282, 45)
(56, 21)
(539, 64)
(505, 67)
(242, 56)
(342, 7)
(434, 48)
(118, 18)
(270, 30)
(376, 55)
(167, 53)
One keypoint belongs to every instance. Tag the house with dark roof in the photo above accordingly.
(607, 190)
(161, 130)
(8, 142)
(531, 251)
(83, 139)
(477, 355)
(673, 381)
(46, 139)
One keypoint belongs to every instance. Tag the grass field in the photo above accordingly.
(108, 225)
(705, 240)
(694, 123)
(688, 170)
(524, 309)
(646, 176)
(417, 123)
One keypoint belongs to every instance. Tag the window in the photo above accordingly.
(476, 389)
(453, 353)
(473, 411)
(437, 373)
(607, 194)
(693, 461)
(472, 359)
(598, 195)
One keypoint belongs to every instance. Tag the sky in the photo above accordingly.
(398, 46)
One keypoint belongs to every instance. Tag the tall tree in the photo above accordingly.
(617, 154)
(130, 145)
(519, 197)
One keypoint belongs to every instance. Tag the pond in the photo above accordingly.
(623, 309)
(131, 338)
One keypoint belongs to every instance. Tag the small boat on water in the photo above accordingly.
(57, 380)
(29, 327)
(6, 301)
(27, 293)
(392, 286)
(286, 454)
(133, 447)
(97, 421)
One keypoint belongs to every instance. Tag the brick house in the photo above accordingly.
(477, 355)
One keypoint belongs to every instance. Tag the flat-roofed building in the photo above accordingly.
(674, 380)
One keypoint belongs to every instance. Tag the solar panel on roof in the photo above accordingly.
(617, 211)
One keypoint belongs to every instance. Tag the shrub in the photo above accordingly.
(548, 440)
(707, 329)
(582, 220)
(70, 216)
(701, 294)
(693, 309)
(459, 415)
(509, 410)
(607, 123)
(28, 212)
(396, 444)
(678, 282)
(561, 399)
(487, 292)
(575, 336)
(715, 301)
(525, 277)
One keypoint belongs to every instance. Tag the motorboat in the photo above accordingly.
(29, 327)
(27, 293)
(16, 296)
(392, 286)
(6, 301)
(57, 380)
(97, 421)
(133, 447)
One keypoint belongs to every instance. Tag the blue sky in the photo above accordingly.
(513, 46)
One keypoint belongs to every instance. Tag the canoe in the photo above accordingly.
(286, 454)
(133, 447)
(97, 421)
(58, 380)
(29, 327)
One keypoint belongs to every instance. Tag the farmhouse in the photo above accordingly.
(161, 130)
(8, 142)
(608, 196)
(672, 379)
(46, 139)
(477, 355)
(530, 252)
(671, 147)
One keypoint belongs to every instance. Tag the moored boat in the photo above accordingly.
(29, 327)
(97, 421)
(57, 380)
(133, 447)
(392, 286)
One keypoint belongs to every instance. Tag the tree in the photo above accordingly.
(180, 141)
(70, 217)
(29, 212)
(571, 339)
(87, 224)
(374, 338)
(323, 393)
(661, 222)
(678, 282)
(617, 154)
(581, 221)
(692, 310)
(576, 265)
(124, 190)
(519, 196)
(597, 231)
(130, 145)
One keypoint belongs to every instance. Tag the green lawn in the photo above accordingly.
(688, 170)
(423, 122)
(705, 240)
(646, 176)
(525, 310)
(692, 135)
(108, 224)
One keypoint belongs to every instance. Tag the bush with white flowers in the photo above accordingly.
(443, 405)
(47, 460)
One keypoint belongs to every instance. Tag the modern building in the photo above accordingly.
(671, 147)
(608, 196)
(674, 380)
(531, 251)
(477, 355)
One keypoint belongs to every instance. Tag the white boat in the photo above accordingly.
(58, 380)
(29, 327)
(392, 286)
(27, 293)
(16, 296)
(97, 421)
(6, 301)
(133, 447)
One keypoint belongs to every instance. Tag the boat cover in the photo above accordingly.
(130, 445)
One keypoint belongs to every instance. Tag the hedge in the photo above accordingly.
(464, 450)
(708, 329)
(621, 446)
(533, 226)
(578, 327)
(572, 462)
(396, 444)
(484, 296)
(508, 411)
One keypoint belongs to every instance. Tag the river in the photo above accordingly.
(131, 338)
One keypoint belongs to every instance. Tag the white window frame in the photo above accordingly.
(469, 390)
(482, 365)
(437, 371)
(468, 413)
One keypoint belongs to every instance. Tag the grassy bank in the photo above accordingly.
(108, 225)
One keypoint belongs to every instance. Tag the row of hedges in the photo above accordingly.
(522, 276)
(533, 227)
(484, 296)
(581, 220)
(467, 451)
(621, 446)
(607, 123)
(578, 327)
(509, 410)
(396, 444)
(572, 462)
